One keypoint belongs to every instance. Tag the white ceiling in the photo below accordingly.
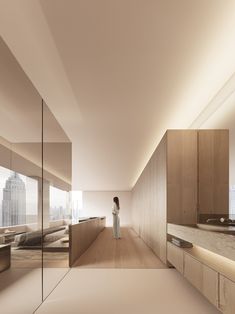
(117, 74)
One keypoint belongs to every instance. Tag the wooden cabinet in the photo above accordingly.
(202, 277)
(182, 176)
(186, 166)
(175, 256)
(210, 282)
(226, 295)
(213, 172)
(166, 189)
(193, 271)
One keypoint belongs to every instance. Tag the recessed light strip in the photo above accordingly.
(225, 93)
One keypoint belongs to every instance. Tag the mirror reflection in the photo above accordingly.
(20, 184)
(57, 176)
(35, 191)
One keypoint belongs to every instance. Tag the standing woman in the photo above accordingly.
(116, 219)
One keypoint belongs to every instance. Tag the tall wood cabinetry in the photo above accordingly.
(213, 166)
(171, 187)
(149, 202)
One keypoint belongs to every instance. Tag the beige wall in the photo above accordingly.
(100, 204)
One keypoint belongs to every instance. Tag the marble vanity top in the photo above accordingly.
(219, 242)
(227, 229)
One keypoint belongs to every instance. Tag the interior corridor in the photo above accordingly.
(128, 252)
(126, 291)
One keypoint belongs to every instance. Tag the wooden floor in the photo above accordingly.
(128, 252)
(33, 259)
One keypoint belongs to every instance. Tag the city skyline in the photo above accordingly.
(62, 204)
(14, 201)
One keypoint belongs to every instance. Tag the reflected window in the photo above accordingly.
(76, 205)
(59, 204)
(18, 198)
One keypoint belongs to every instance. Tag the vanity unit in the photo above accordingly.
(186, 182)
(209, 265)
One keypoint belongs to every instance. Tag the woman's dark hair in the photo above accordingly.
(116, 201)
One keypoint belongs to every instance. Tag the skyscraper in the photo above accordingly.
(14, 201)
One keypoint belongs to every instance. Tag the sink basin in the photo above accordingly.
(217, 228)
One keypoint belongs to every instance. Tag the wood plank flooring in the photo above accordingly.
(33, 259)
(128, 252)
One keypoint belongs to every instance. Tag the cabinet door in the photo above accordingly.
(213, 167)
(210, 284)
(175, 256)
(227, 295)
(202, 277)
(193, 271)
(182, 176)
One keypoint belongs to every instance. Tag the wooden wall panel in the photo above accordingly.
(182, 176)
(213, 171)
(157, 195)
(167, 190)
(149, 202)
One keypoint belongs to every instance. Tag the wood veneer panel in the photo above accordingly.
(81, 236)
(227, 293)
(213, 171)
(182, 178)
(161, 196)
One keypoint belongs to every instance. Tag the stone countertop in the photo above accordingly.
(223, 228)
(217, 242)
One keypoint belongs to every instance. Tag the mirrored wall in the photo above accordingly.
(57, 173)
(35, 184)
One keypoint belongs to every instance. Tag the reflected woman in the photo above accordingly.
(116, 219)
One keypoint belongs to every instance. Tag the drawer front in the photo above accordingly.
(193, 271)
(202, 277)
(175, 256)
(210, 285)
(227, 295)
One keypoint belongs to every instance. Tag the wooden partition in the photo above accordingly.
(173, 183)
(81, 236)
(166, 189)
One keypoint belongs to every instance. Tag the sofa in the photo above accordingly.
(33, 239)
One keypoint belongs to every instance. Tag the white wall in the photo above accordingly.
(100, 204)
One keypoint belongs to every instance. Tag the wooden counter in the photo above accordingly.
(5, 257)
(81, 236)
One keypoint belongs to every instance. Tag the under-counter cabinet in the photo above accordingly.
(226, 295)
(175, 256)
(202, 277)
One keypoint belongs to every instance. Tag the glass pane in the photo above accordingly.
(57, 216)
(20, 184)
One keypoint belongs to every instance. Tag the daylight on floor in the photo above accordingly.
(117, 156)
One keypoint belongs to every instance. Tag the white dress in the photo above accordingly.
(116, 222)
